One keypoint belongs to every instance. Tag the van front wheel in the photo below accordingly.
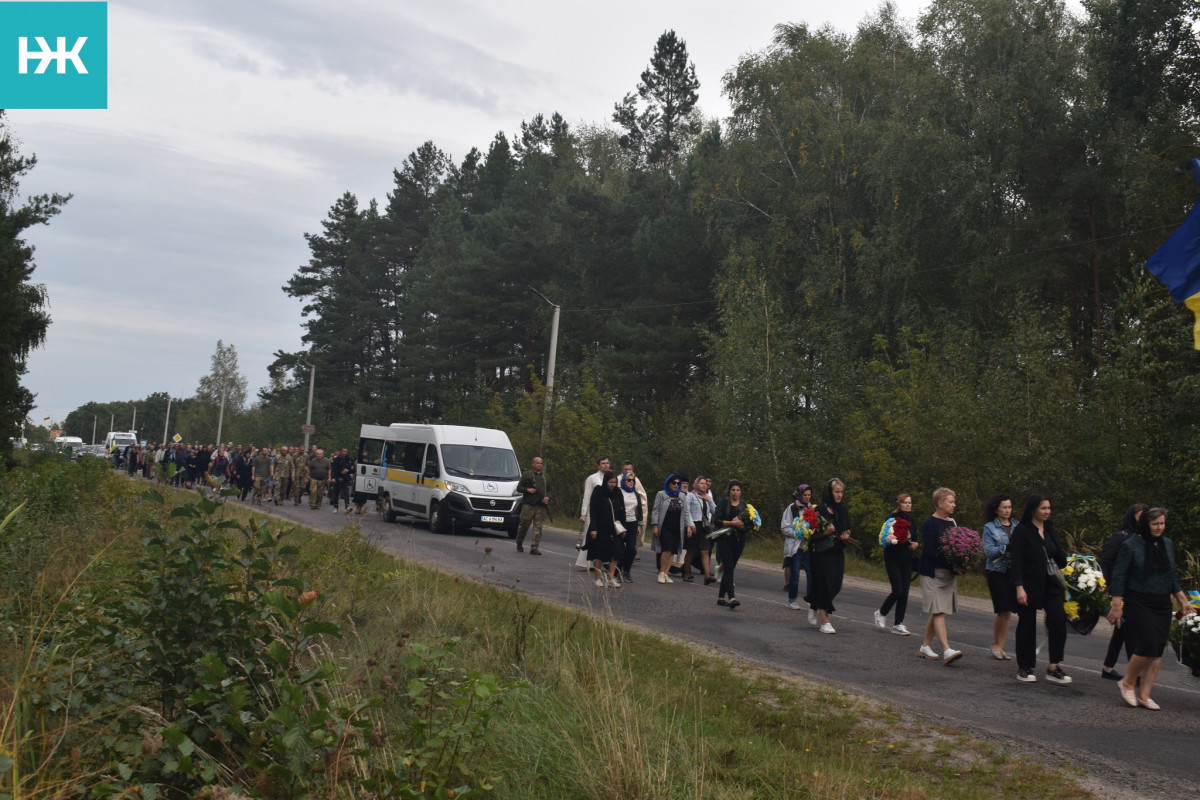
(437, 523)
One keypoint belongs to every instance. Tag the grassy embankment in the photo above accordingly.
(604, 712)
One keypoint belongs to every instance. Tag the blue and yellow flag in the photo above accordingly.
(1177, 263)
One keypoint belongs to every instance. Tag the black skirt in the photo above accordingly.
(1147, 623)
(828, 569)
(668, 531)
(1004, 594)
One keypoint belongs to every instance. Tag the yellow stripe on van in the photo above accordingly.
(403, 476)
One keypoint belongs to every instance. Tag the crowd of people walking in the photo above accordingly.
(262, 474)
(692, 531)
(1024, 562)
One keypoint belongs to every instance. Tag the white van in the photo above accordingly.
(451, 475)
(119, 440)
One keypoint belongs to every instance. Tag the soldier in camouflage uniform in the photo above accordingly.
(319, 469)
(283, 474)
(260, 471)
(299, 470)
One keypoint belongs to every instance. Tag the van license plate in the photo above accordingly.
(492, 519)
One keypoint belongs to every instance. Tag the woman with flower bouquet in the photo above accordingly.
(797, 525)
(736, 518)
(899, 544)
(827, 554)
(939, 577)
(1037, 561)
(1144, 581)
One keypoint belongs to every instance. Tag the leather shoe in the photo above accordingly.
(1111, 675)
(520, 549)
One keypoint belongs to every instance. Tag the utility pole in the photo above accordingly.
(167, 422)
(93, 429)
(221, 416)
(312, 380)
(133, 425)
(549, 367)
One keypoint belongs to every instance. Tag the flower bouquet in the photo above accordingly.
(895, 531)
(749, 517)
(962, 548)
(804, 524)
(1185, 639)
(1087, 593)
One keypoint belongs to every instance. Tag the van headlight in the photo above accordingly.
(458, 487)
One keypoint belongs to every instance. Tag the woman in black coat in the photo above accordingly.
(604, 540)
(1033, 547)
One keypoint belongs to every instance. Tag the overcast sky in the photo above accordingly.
(232, 127)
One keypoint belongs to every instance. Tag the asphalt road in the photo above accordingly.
(1124, 752)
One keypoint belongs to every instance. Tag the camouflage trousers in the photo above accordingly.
(531, 516)
(316, 493)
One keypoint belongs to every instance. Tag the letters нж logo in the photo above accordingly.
(45, 55)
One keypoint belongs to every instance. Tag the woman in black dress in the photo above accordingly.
(1034, 548)
(730, 545)
(827, 554)
(672, 522)
(604, 543)
(1144, 580)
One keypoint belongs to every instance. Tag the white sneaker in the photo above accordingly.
(668, 578)
(600, 582)
(950, 656)
(900, 630)
(335, 511)
(827, 628)
(927, 652)
(794, 605)
(812, 617)
(880, 620)
(662, 578)
(614, 582)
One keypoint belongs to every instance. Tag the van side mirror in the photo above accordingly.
(431, 470)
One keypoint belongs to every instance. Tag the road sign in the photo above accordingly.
(177, 438)
(308, 430)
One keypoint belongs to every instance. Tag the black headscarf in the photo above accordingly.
(1156, 551)
(1130, 522)
(836, 512)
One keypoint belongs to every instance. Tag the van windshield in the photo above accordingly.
(472, 461)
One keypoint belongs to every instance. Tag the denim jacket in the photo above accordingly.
(995, 544)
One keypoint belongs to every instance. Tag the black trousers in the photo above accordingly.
(632, 534)
(729, 548)
(899, 572)
(1056, 627)
(1114, 647)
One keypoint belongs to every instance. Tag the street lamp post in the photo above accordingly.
(549, 366)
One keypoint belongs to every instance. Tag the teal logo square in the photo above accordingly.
(53, 55)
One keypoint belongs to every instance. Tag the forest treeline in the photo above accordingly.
(912, 256)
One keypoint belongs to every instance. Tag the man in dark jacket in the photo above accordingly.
(535, 501)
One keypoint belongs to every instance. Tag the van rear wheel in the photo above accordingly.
(389, 515)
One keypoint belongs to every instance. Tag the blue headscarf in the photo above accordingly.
(667, 485)
(628, 488)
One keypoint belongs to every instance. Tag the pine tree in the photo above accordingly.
(658, 132)
(23, 317)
